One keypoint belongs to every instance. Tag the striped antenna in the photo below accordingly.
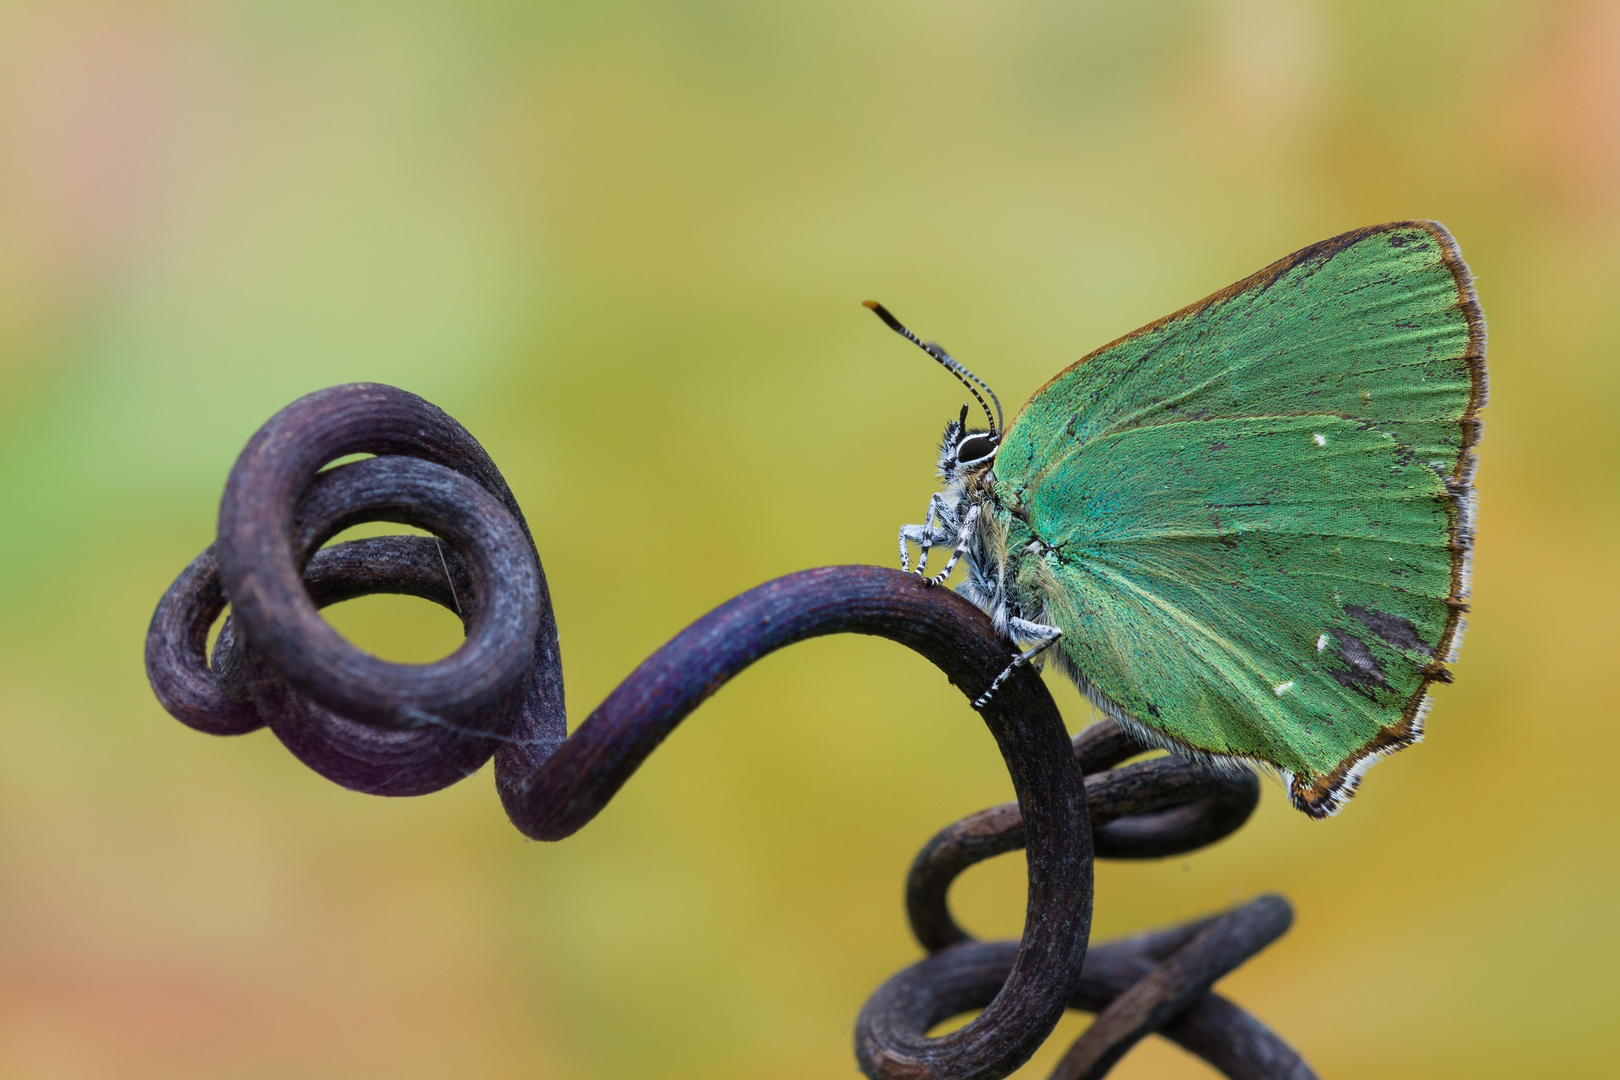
(968, 379)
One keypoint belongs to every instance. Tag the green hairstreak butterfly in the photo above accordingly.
(1243, 530)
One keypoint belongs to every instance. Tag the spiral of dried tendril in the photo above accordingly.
(403, 729)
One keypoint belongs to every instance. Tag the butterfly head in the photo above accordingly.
(964, 450)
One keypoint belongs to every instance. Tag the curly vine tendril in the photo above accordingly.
(405, 729)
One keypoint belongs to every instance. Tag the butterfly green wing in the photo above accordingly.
(1256, 513)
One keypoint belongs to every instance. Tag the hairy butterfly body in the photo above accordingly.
(1243, 530)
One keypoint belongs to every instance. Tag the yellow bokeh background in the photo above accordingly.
(625, 244)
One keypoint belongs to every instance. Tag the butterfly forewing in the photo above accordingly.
(1256, 507)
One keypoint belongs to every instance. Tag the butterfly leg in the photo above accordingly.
(916, 534)
(963, 539)
(1043, 636)
(926, 535)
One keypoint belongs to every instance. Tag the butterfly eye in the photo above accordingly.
(974, 448)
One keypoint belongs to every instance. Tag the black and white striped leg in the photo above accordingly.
(937, 511)
(963, 539)
(1021, 629)
(915, 534)
(926, 535)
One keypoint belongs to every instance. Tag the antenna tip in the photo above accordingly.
(883, 313)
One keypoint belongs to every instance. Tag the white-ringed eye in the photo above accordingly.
(975, 448)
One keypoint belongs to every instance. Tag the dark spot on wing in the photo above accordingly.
(1362, 671)
(1397, 631)
(1073, 421)
(1152, 709)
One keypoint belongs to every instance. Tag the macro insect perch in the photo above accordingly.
(396, 729)
(1244, 530)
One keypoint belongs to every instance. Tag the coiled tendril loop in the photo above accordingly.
(403, 729)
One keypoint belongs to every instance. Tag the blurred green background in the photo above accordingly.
(625, 244)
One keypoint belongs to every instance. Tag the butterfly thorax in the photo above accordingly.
(999, 540)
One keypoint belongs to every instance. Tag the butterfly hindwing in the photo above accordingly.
(1254, 512)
